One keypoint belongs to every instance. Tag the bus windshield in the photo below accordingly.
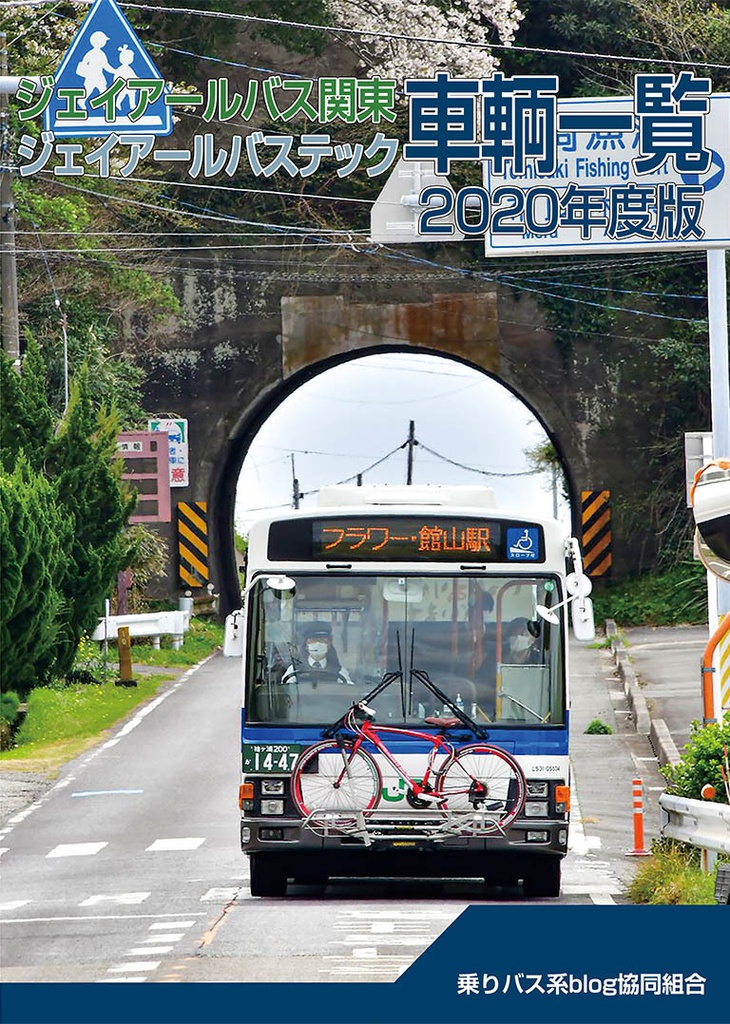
(314, 649)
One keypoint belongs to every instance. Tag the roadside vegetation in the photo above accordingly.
(674, 874)
(62, 719)
(671, 598)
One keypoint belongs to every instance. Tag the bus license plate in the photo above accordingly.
(262, 758)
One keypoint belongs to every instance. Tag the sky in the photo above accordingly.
(354, 414)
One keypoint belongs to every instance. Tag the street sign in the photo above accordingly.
(95, 93)
(603, 193)
(598, 167)
(395, 214)
(145, 458)
(177, 435)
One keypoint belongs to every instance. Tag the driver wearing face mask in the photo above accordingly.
(319, 655)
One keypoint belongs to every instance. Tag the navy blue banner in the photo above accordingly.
(494, 963)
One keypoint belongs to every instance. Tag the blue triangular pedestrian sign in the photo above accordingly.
(92, 97)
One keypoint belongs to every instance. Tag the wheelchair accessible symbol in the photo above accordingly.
(522, 544)
(104, 50)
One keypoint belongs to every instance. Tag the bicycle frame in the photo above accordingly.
(368, 731)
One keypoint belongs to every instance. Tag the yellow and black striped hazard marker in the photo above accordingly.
(596, 522)
(192, 543)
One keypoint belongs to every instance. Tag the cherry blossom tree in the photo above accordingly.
(395, 53)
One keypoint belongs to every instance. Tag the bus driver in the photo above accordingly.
(318, 655)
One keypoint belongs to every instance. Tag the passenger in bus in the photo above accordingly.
(523, 642)
(319, 655)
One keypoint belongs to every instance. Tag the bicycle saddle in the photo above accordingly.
(443, 723)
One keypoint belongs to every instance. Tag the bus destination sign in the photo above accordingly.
(406, 539)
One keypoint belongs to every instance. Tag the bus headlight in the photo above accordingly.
(536, 788)
(272, 806)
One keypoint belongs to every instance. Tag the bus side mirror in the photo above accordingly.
(581, 613)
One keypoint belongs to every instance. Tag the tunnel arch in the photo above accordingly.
(256, 414)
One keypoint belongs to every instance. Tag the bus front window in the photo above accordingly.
(315, 649)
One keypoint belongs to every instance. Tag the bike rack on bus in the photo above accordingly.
(410, 825)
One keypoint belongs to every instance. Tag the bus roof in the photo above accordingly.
(422, 495)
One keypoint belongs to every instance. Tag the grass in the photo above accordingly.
(201, 639)
(62, 721)
(672, 876)
(671, 598)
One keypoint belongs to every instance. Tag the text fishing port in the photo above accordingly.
(405, 702)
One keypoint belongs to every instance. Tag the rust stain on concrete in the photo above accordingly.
(318, 327)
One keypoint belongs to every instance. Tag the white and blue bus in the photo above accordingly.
(441, 615)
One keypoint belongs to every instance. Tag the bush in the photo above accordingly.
(672, 876)
(702, 762)
(9, 709)
(597, 727)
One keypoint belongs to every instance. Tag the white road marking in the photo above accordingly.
(175, 844)
(149, 951)
(593, 878)
(166, 937)
(214, 895)
(120, 899)
(64, 783)
(109, 792)
(139, 965)
(377, 966)
(85, 917)
(76, 849)
(14, 904)
(3, 849)
(371, 935)
(174, 924)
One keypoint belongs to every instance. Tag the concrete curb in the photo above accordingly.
(655, 728)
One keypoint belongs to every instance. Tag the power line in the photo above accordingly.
(472, 469)
(341, 30)
(403, 37)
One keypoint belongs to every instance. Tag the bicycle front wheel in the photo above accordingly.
(331, 782)
(486, 779)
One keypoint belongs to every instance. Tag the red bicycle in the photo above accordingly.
(337, 780)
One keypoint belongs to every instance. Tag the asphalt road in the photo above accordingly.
(667, 662)
(129, 869)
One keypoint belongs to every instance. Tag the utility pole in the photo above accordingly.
(8, 272)
(411, 444)
(296, 494)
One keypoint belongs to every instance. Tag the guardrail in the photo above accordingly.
(146, 624)
(700, 823)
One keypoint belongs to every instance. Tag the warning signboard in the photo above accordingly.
(106, 83)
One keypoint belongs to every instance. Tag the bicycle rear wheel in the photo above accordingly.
(485, 779)
(331, 783)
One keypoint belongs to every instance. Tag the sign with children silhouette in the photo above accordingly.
(106, 83)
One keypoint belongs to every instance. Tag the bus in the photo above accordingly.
(442, 616)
